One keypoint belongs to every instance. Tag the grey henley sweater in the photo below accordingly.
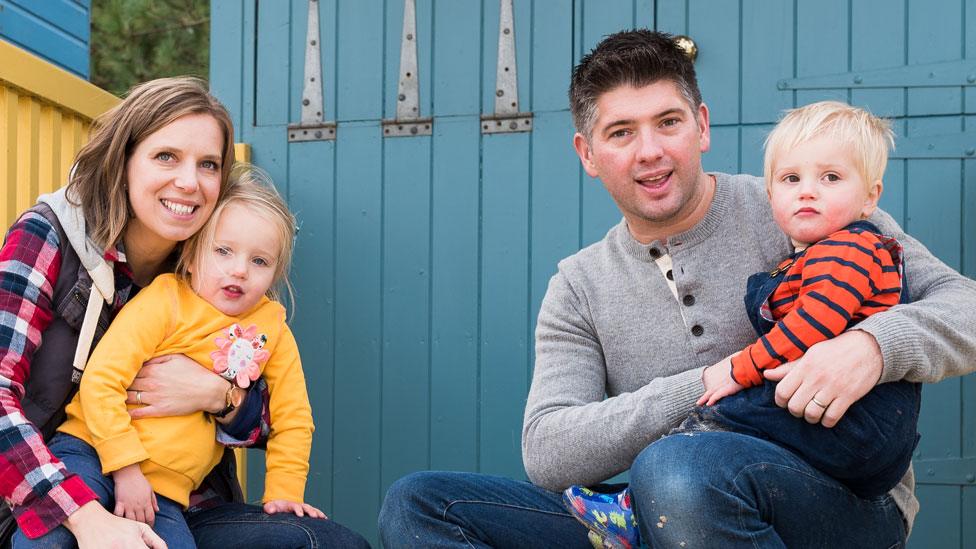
(610, 327)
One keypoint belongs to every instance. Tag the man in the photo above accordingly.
(640, 318)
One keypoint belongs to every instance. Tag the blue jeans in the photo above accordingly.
(238, 525)
(715, 489)
(725, 489)
(435, 510)
(81, 459)
(869, 450)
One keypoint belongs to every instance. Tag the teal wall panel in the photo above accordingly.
(359, 324)
(421, 262)
(54, 30)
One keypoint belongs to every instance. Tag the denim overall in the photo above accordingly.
(870, 448)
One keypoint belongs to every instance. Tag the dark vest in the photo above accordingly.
(49, 388)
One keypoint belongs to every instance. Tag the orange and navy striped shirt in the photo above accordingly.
(834, 283)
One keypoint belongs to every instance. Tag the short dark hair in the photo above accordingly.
(637, 58)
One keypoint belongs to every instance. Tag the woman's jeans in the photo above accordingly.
(714, 489)
(226, 526)
(81, 459)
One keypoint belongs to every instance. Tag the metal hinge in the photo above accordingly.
(948, 74)
(408, 122)
(312, 127)
(506, 117)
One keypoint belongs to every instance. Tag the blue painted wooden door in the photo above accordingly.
(421, 261)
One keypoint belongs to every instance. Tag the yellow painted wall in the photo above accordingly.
(45, 113)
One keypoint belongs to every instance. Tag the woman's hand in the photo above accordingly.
(174, 385)
(96, 528)
(134, 496)
(300, 509)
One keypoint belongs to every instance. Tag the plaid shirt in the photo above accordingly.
(36, 485)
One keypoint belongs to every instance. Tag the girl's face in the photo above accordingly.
(238, 268)
(173, 179)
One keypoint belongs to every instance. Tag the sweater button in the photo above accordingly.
(655, 253)
(688, 300)
(697, 330)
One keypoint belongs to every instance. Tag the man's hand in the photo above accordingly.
(723, 386)
(96, 528)
(300, 509)
(831, 376)
(174, 385)
(134, 496)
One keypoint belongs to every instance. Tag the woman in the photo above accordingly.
(147, 180)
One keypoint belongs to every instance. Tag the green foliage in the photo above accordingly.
(137, 40)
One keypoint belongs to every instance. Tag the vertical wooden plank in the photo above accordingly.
(272, 66)
(644, 14)
(767, 58)
(822, 43)
(751, 148)
(893, 197)
(969, 220)
(72, 132)
(455, 77)
(599, 212)
(28, 125)
(248, 84)
(931, 39)
(554, 203)
(360, 39)
(672, 17)
(405, 420)
(877, 41)
(227, 61)
(455, 236)
(552, 58)
(356, 443)
(504, 300)
(49, 161)
(717, 66)
(8, 150)
(311, 197)
(938, 524)
(724, 154)
(934, 195)
(455, 252)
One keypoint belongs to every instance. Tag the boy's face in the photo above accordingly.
(239, 267)
(815, 189)
(646, 148)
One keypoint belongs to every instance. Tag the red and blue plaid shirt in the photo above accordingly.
(40, 491)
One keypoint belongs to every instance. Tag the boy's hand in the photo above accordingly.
(300, 509)
(134, 496)
(729, 387)
(718, 382)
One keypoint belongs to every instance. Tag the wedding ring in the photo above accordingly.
(139, 398)
(818, 403)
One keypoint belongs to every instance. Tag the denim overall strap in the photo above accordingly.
(759, 288)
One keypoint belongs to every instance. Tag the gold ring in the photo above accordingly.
(139, 397)
(818, 403)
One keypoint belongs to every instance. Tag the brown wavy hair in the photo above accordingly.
(97, 180)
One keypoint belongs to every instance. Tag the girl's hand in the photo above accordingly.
(134, 496)
(300, 509)
(174, 385)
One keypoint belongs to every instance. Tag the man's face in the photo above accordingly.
(646, 149)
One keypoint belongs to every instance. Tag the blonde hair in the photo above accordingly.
(97, 181)
(868, 137)
(251, 187)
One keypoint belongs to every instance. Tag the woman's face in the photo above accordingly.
(173, 179)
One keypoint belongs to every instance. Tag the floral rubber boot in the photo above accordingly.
(609, 517)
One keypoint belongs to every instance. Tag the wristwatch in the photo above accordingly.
(232, 399)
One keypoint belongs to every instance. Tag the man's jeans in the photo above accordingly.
(710, 489)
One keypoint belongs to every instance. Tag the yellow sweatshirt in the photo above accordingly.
(176, 453)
